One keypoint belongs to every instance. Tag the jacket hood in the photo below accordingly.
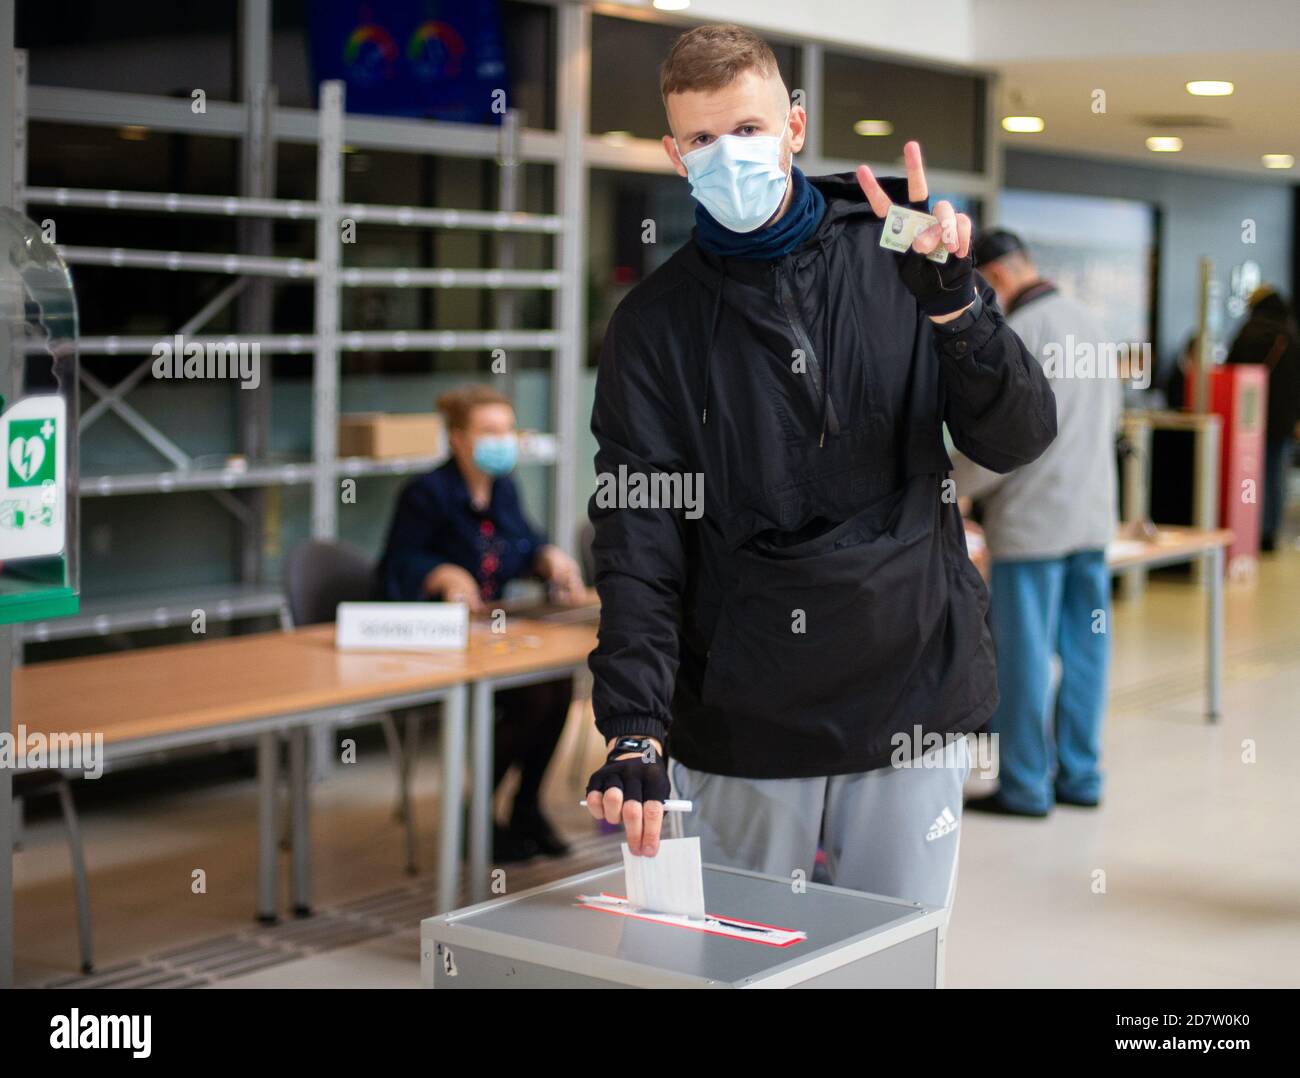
(845, 197)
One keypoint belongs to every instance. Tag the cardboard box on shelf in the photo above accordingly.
(391, 434)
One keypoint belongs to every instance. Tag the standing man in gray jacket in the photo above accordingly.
(1047, 524)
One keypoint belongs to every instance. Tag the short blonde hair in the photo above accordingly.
(711, 57)
(457, 405)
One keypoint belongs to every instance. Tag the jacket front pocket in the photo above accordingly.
(817, 633)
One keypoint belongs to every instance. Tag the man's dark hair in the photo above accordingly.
(995, 243)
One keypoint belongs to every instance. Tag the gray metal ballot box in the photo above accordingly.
(542, 938)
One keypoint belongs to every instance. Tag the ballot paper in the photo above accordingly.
(672, 881)
(901, 227)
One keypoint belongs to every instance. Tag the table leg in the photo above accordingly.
(1214, 643)
(480, 793)
(268, 766)
(300, 792)
(6, 814)
(405, 779)
(6, 876)
(453, 791)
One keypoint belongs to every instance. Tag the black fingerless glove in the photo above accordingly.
(641, 778)
(939, 287)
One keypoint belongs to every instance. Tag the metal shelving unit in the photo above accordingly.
(259, 125)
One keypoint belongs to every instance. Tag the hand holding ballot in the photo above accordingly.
(943, 286)
(631, 788)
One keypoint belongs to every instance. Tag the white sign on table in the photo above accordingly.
(402, 627)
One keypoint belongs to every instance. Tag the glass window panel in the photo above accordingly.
(167, 47)
(625, 74)
(942, 110)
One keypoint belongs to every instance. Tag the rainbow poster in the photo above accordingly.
(438, 59)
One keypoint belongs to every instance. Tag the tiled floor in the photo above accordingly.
(1196, 850)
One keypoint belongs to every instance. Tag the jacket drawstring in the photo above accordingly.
(826, 352)
(708, 355)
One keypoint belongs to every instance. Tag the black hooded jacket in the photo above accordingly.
(824, 601)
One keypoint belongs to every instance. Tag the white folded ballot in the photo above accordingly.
(672, 881)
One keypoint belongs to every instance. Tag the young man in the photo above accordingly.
(824, 602)
(1047, 526)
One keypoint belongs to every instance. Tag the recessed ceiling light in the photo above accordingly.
(133, 132)
(1209, 88)
(873, 127)
(1022, 125)
(1164, 143)
(672, 5)
(1279, 160)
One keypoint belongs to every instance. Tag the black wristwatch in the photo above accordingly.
(640, 745)
(965, 320)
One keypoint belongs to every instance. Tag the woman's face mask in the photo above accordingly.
(496, 454)
(739, 178)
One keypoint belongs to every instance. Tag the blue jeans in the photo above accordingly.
(1277, 467)
(1040, 607)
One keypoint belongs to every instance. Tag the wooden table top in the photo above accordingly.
(1169, 541)
(149, 692)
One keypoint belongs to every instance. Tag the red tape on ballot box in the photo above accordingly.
(731, 927)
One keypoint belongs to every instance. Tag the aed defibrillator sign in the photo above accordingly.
(33, 496)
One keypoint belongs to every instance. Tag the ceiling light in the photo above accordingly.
(1164, 143)
(133, 132)
(1209, 88)
(1022, 125)
(1279, 160)
(672, 5)
(873, 127)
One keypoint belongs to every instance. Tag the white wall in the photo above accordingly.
(1047, 29)
(929, 29)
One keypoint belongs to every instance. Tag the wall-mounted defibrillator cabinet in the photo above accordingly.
(39, 550)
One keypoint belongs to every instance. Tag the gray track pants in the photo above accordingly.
(891, 831)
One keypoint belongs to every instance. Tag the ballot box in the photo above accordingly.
(760, 932)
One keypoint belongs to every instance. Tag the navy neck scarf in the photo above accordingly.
(806, 208)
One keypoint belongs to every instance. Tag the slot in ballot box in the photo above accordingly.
(547, 937)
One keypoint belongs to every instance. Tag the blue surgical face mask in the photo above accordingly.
(496, 454)
(739, 178)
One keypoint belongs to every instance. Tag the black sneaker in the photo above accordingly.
(533, 826)
(994, 805)
(509, 846)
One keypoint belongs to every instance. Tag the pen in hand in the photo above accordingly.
(671, 805)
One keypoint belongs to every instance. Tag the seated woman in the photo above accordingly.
(459, 535)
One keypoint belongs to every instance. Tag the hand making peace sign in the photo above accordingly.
(942, 290)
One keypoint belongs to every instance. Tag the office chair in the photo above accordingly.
(318, 575)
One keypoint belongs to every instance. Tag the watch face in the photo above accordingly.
(643, 745)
